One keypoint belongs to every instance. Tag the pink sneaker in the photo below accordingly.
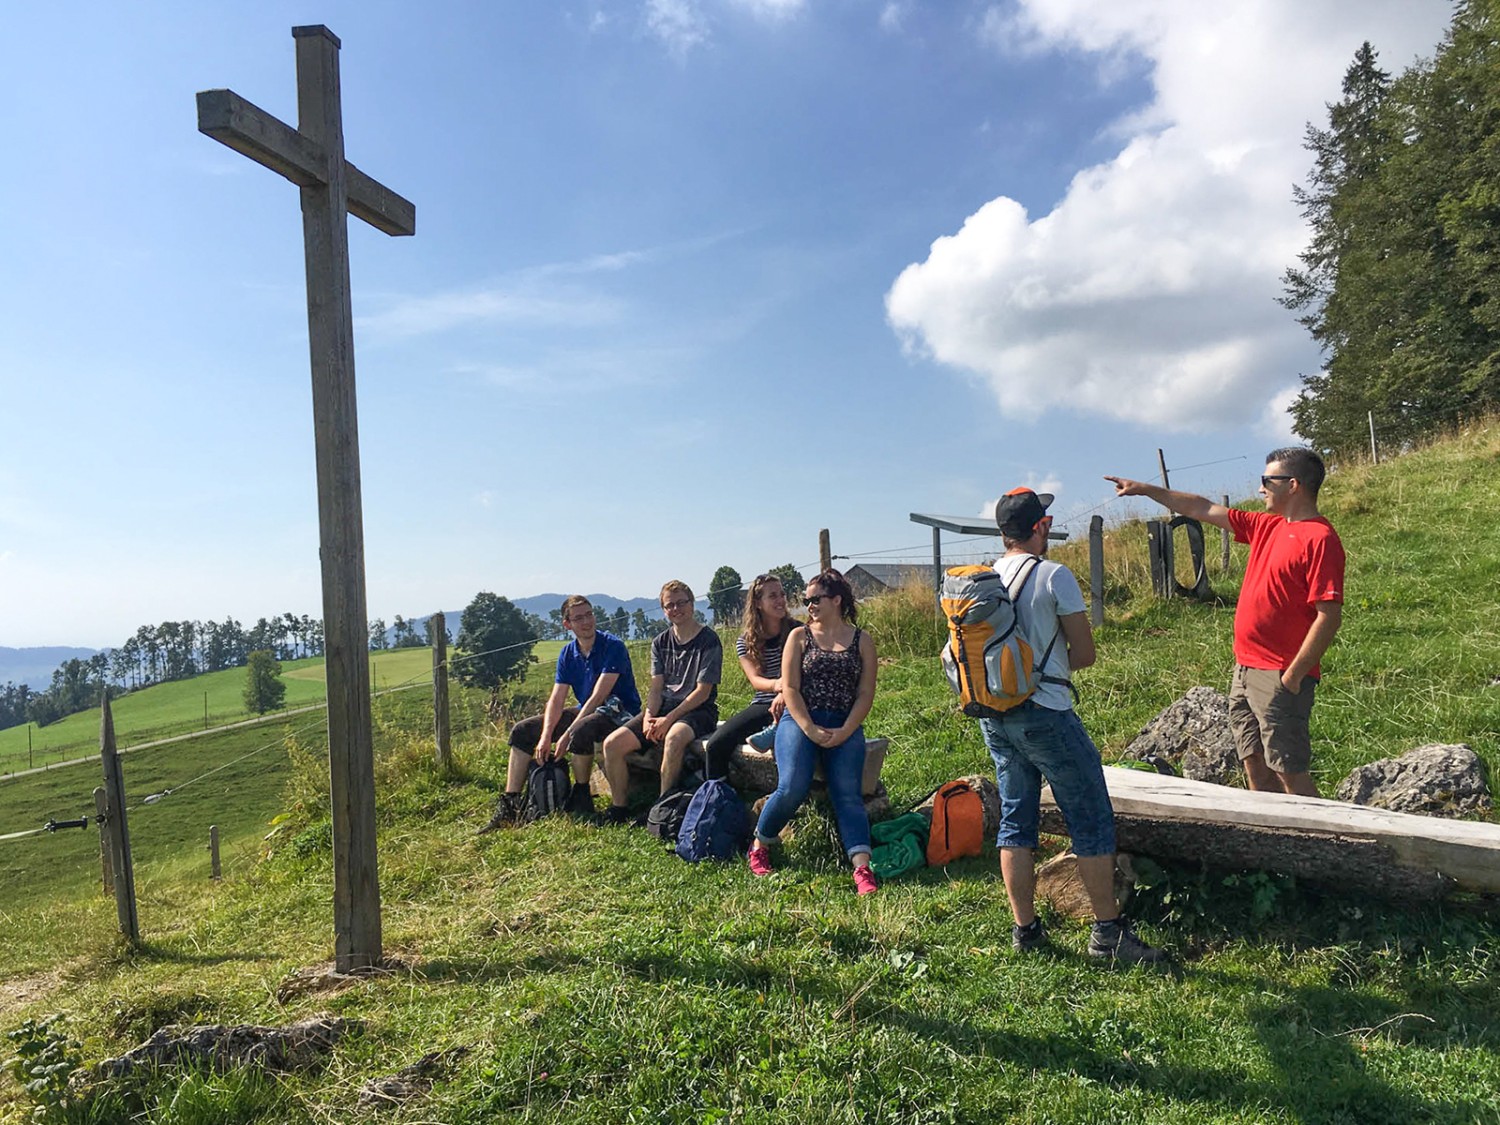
(865, 882)
(760, 860)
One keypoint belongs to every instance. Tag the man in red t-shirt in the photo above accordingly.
(1291, 605)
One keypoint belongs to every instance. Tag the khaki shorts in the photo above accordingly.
(1271, 721)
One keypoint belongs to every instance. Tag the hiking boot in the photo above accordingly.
(760, 860)
(618, 816)
(507, 811)
(1028, 939)
(1114, 941)
(580, 802)
(865, 882)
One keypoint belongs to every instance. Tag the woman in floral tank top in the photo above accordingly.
(828, 684)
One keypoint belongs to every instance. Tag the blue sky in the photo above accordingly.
(692, 279)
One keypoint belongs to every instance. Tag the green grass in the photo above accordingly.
(593, 979)
(184, 706)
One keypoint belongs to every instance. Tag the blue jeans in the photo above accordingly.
(843, 768)
(1029, 743)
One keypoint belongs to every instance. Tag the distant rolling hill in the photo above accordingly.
(34, 666)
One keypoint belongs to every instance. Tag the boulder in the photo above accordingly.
(1192, 734)
(1436, 780)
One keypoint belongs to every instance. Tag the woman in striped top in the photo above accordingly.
(766, 627)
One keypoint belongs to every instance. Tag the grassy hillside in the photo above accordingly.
(590, 978)
(179, 707)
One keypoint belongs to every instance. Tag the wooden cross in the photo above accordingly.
(312, 157)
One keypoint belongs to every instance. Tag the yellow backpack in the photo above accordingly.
(990, 665)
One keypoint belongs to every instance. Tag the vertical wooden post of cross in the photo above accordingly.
(825, 552)
(312, 157)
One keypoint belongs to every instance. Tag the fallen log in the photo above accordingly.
(1343, 847)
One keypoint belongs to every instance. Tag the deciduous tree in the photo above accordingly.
(264, 690)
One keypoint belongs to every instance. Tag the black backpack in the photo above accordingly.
(664, 821)
(547, 788)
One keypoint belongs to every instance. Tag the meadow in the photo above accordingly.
(578, 974)
(187, 706)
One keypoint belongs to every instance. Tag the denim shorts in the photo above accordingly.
(1031, 744)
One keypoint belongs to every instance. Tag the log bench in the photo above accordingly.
(753, 773)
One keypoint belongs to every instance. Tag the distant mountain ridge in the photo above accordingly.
(543, 604)
(34, 666)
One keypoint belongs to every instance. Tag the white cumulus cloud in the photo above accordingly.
(1148, 292)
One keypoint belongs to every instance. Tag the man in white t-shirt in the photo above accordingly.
(1042, 739)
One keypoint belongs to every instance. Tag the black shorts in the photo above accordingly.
(586, 739)
(703, 720)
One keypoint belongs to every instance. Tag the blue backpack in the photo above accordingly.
(716, 823)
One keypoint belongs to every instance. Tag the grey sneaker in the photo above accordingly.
(1114, 941)
(507, 811)
(1028, 939)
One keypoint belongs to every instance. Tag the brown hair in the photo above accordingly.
(753, 631)
(675, 587)
(833, 582)
(572, 602)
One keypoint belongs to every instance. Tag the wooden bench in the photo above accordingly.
(753, 773)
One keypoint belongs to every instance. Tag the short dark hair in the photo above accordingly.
(1302, 463)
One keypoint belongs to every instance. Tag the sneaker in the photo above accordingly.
(507, 811)
(580, 802)
(1114, 941)
(865, 882)
(760, 860)
(616, 817)
(764, 739)
(1028, 939)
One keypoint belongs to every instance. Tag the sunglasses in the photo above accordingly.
(814, 599)
(1265, 482)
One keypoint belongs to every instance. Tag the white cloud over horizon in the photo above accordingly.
(1147, 294)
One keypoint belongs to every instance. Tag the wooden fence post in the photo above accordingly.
(119, 831)
(1224, 541)
(440, 718)
(825, 552)
(1161, 461)
(1096, 571)
(106, 869)
(213, 851)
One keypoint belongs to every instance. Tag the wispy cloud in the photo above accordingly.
(679, 24)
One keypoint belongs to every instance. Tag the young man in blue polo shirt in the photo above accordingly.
(595, 665)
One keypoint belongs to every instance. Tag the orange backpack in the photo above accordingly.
(957, 824)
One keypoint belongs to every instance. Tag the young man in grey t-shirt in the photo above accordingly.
(687, 662)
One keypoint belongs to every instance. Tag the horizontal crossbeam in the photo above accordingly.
(265, 139)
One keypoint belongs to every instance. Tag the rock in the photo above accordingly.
(1058, 883)
(1436, 779)
(409, 1082)
(296, 1047)
(1194, 735)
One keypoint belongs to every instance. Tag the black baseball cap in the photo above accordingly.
(1019, 511)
